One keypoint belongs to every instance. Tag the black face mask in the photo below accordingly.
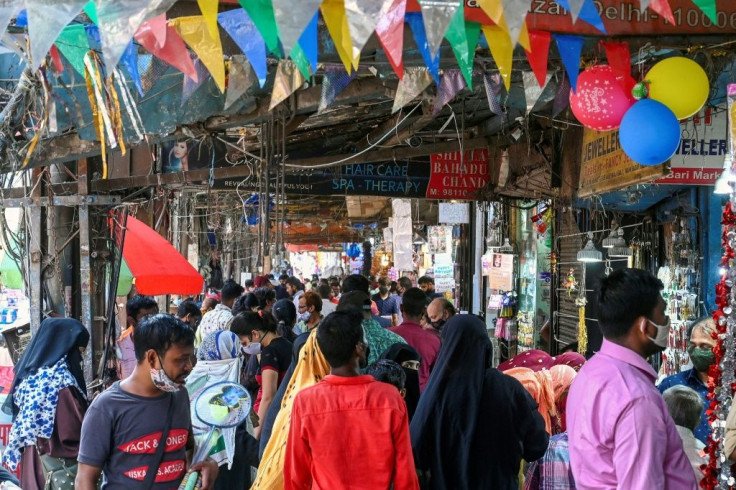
(438, 324)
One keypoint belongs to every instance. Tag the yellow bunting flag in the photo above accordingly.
(493, 9)
(288, 79)
(336, 20)
(195, 33)
(209, 12)
(502, 51)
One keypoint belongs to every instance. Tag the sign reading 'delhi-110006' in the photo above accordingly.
(446, 176)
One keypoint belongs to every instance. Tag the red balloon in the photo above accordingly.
(602, 98)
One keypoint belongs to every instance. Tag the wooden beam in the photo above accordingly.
(182, 178)
(63, 148)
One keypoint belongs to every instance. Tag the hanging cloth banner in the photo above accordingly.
(292, 18)
(287, 81)
(562, 98)
(539, 54)
(570, 48)
(304, 53)
(532, 89)
(514, 11)
(662, 7)
(209, 12)
(172, 52)
(189, 86)
(118, 22)
(72, 43)
(130, 60)
(414, 19)
(502, 50)
(336, 20)
(451, 83)
(239, 80)
(46, 20)
(390, 32)
(437, 15)
(244, 32)
(588, 14)
(363, 17)
(416, 79)
(492, 83)
(334, 81)
(707, 6)
(261, 13)
(208, 49)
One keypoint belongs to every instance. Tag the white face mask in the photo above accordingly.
(305, 316)
(663, 334)
(253, 349)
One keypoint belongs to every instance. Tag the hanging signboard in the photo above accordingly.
(501, 274)
(605, 167)
(453, 213)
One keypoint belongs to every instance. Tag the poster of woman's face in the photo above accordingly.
(497, 260)
(189, 154)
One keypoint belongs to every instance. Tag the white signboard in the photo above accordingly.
(444, 284)
(454, 213)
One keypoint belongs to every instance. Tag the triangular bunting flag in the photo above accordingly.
(300, 60)
(334, 81)
(93, 37)
(189, 86)
(574, 7)
(451, 83)
(709, 8)
(118, 22)
(437, 15)
(72, 43)
(619, 58)
(414, 19)
(502, 50)
(588, 13)
(8, 8)
(288, 79)
(524, 37)
(562, 99)
(243, 31)
(472, 33)
(416, 79)
(662, 7)
(390, 31)
(292, 18)
(208, 49)
(171, 52)
(363, 16)
(308, 43)
(261, 13)
(643, 4)
(91, 10)
(458, 40)
(514, 11)
(493, 9)
(239, 80)
(570, 48)
(152, 67)
(130, 61)
(46, 20)
(539, 54)
(532, 89)
(492, 83)
(336, 20)
(209, 12)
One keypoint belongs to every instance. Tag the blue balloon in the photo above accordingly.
(650, 132)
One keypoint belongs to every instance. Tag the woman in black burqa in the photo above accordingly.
(473, 424)
(402, 354)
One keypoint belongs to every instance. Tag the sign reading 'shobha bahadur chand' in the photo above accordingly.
(605, 167)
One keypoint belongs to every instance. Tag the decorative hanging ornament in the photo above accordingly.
(601, 99)
(571, 284)
(650, 132)
(680, 84)
(640, 90)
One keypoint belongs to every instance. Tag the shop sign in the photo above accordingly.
(458, 176)
(703, 147)
(453, 213)
(605, 167)
(444, 284)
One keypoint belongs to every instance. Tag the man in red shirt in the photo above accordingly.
(426, 342)
(349, 430)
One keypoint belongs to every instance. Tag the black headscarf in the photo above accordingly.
(447, 415)
(55, 338)
(399, 353)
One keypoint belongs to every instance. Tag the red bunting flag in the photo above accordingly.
(619, 58)
(539, 42)
(390, 31)
(173, 52)
(662, 7)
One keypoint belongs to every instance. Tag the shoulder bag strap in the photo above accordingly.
(159, 454)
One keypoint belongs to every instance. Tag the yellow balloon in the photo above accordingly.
(680, 84)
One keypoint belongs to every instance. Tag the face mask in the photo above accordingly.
(162, 381)
(702, 359)
(663, 333)
(438, 324)
(304, 316)
(253, 349)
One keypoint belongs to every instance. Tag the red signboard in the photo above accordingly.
(455, 177)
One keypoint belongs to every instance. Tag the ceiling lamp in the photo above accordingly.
(724, 184)
(506, 248)
(619, 248)
(589, 252)
(608, 242)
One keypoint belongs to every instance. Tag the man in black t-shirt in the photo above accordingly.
(124, 425)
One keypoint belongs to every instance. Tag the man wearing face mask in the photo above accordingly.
(308, 313)
(701, 354)
(387, 304)
(620, 431)
(438, 312)
(143, 422)
(328, 418)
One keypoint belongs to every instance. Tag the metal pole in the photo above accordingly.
(85, 270)
(35, 256)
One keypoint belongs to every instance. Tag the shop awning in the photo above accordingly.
(158, 268)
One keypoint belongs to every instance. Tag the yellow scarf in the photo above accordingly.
(310, 370)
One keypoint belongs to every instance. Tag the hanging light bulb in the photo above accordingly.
(506, 248)
(608, 242)
(620, 249)
(725, 183)
(589, 253)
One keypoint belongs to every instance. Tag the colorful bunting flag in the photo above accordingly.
(458, 40)
(390, 31)
(709, 8)
(574, 7)
(130, 61)
(336, 20)
(562, 99)
(261, 13)
(189, 86)
(472, 33)
(209, 50)
(209, 12)
(570, 48)
(588, 13)
(300, 60)
(451, 83)
(171, 52)
(91, 10)
(287, 81)
(414, 19)
(514, 11)
(437, 15)
(46, 20)
(502, 50)
(619, 58)
(539, 54)
(334, 81)
(363, 16)
(8, 8)
(532, 89)
(239, 80)
(16, 42)
(416, 79)
(493, 9)
(492, 83)
(308, 44)
(72, 43)
(118, 22)
(292, 18)
(244, 32)
(662, 7)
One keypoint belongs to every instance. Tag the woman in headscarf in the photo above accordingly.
(473, 425)
(235, 450)
(534, 359)
(48, 399)
(310, 370)
(409, 359)
(539, 386)
(562, 377)
(572, 359)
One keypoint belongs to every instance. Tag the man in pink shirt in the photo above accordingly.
(621, 434)
(426, 342)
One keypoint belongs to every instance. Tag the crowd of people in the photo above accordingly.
(362, 385)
